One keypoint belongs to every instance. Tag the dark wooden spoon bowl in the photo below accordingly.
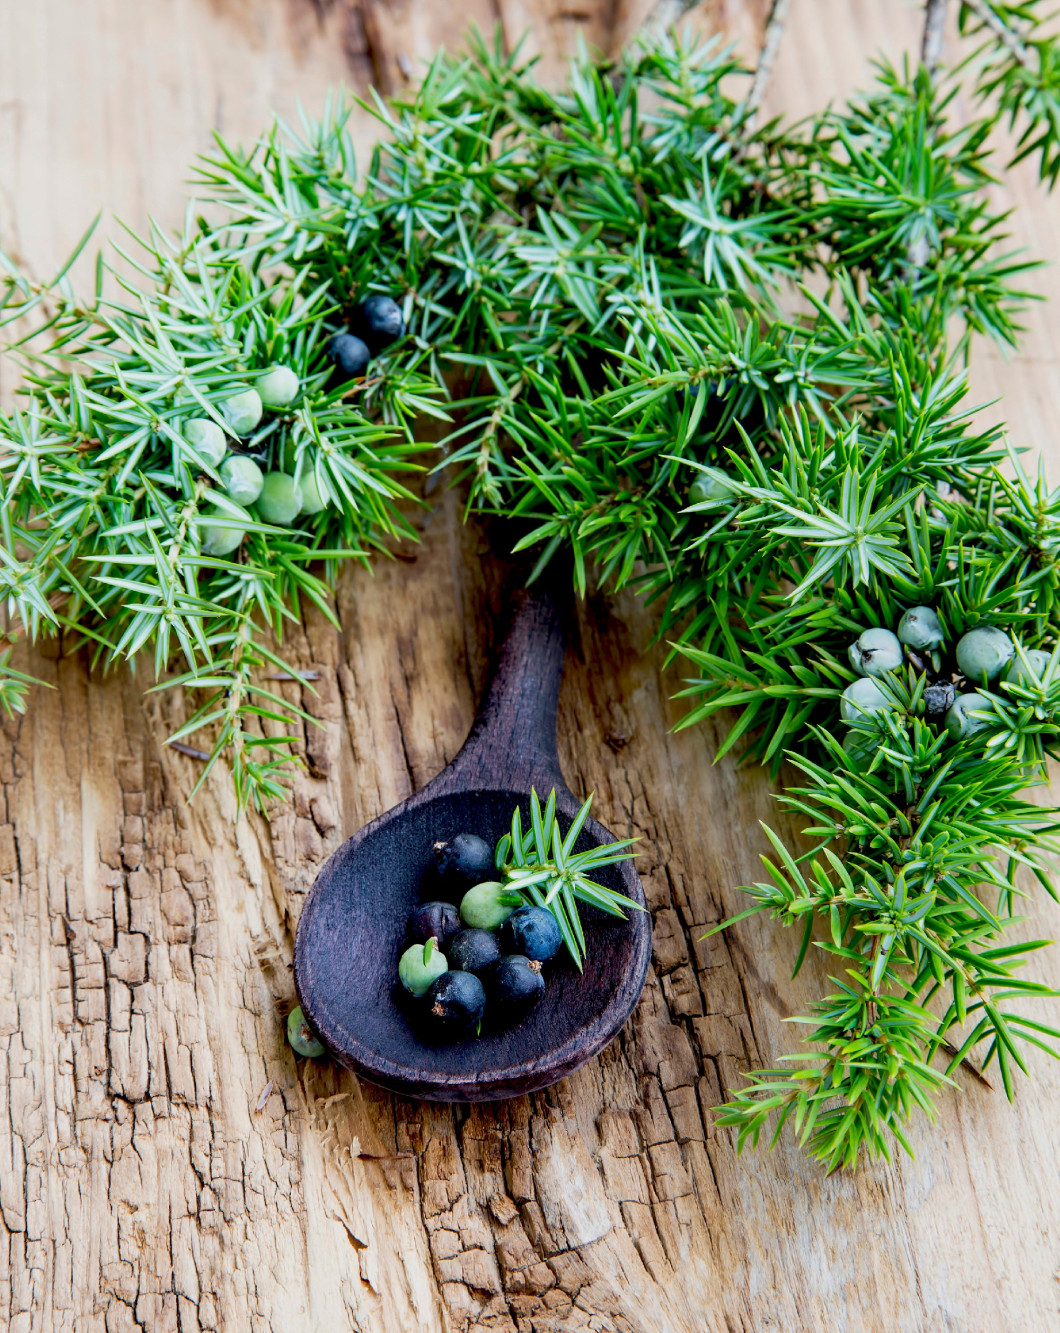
(351, 932)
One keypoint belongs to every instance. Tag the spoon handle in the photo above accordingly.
(512, 741)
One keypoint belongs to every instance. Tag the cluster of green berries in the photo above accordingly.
(489, 952)
(277, 497)
(982, 656)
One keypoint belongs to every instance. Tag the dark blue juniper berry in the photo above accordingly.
(938, 697)
(453, 1003)
(515, 985)
(532, 931)
(472, 950)
(350, 355)
(379, 321)
(464, 860)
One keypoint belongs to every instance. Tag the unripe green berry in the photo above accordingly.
(312, 501)
(242, 411)
(207, 439)
(1028, 667)
(420, 964)
(280, 499)
(222, 536)
(242, 479)
(488, 905)
(961, 719)
(920, 628)
(876, 652)
(300, 1035)
(862, 696)
(712, 486)
(860, 747)
(278, 386)
(983, 653)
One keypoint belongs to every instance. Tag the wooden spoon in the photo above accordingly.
(351, 931)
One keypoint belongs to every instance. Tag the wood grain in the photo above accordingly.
(165, 1162)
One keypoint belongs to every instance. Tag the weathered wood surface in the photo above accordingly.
(165, 1162)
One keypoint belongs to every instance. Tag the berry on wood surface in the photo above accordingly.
(488, 905)
(434, 920)
(464, 859)
(532, 931)
(301, 1035)
(454, 1002)
(472, 949)
(515, 983)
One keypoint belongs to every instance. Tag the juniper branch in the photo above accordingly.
(1004, 32)
(934, 34)
(771, 39)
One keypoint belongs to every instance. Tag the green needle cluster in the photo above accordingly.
(720, 360)
(542, 865)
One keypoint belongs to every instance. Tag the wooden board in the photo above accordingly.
(165, 1163)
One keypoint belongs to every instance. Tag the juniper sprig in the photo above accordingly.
(541, 864)
(719, 359)
(106, 505)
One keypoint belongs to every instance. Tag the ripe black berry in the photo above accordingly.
(380, 322)
(515, 983)
(938, 698)
(349, 354)
(432, 920)
(472, 950)
(464, 860)
(454, 1001)
(532, 931)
